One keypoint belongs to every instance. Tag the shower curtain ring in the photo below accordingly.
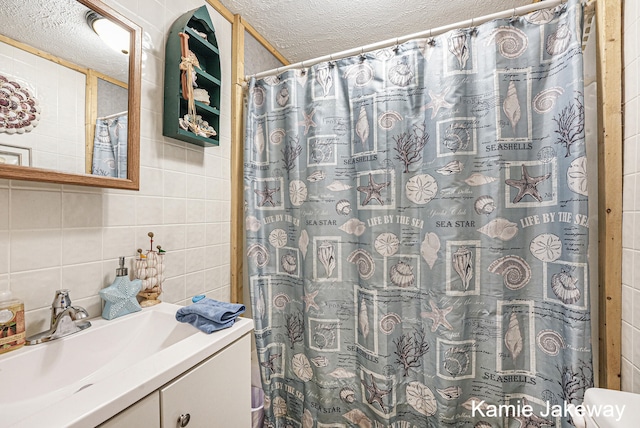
(396, 47)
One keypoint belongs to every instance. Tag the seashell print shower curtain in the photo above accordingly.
(416, 231)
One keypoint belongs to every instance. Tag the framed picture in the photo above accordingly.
(13, 155)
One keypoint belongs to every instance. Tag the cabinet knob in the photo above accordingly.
(183, 420)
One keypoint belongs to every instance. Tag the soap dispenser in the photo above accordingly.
(120, 297)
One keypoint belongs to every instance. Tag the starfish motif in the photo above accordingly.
(267, 195)
(120, 297)
(270, 364)
(533, 421)
(308, 121)
(527, 185)
(375, 393)
(309, 301)
(438, 102)
(373, 191)
(438, 316)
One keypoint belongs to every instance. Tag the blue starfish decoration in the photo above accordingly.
(120, 297)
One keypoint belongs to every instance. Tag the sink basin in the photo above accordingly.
(149, 346)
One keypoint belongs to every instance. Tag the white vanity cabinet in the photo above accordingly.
(214, 393)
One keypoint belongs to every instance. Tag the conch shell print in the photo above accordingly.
(450, 393)
(327, 256)
(511, 41)
(462, 263)
(387, 120)
(458, 47)
(258, 139)
(477, 179)
(277, 136)
(564, 285)
(515, 271)
(545, 100)
(363, 319)
(453, 167)
(550, 342)
(388, 322)
(353, 226)
(511, 106)
(429, 248)
(303, 242)
(363, 260)
(513, 337)
(421, 398)
(362, 126)
(500, 228)
(324, 79)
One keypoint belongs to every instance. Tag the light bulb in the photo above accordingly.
(112, 34)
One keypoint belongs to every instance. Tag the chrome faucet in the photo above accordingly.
(65, 320)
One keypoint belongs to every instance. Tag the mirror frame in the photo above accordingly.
(132, 182)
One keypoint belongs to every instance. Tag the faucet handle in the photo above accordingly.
(60, 302)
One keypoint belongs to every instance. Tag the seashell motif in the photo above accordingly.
(358, 418)
(483, 424)
(477, 179)
(301, 367)
(542, 16)
(297, 192)
(338, 186)
(259, 254)
(388, 322)
(511, 106)
(450, 393)
(577, 176)
(282, 97)
(500, 228)
(550, 342)
(362, 126)
(364, 261)
(307, 419)
(484, 205)
(401, 74)
(388, 119)
(564, 285)
(456, 137)
(453, 167)
(278, 238)
(429, 248)
(458, 47)
(363, 319)
(258, 96)
(546, 154)
(316, 176)
(341, 373)
(327, 256)
(347, 395)
(303, 243)
(353, 226)
(258, 139)
(301, 76)
(271, 80)
(324, 336)
(421, 398)
(361, 73)
(277, 136)
(475, 403)
(546, 247)
(261, 305)
(279, 407)
(252, 223)
(280, 301)
(401, 274)
(320, 361)
(456, 361)
(324, 78)
(462, 263)
(421, 188)
(513, 337)
(343, 207)
(559, 40)
(511, 41)
(515, 271)
(289, 263)
(545, 100)
(386, 244)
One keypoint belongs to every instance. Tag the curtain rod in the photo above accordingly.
(522, 10)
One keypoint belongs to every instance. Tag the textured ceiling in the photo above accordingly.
(306, 29)
(59, 28)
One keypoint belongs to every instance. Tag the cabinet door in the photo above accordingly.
(144, 413)
(216, 393)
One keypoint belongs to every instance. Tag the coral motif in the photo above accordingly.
(409, 146)
(564, 285)
(259, 254)
(550, 342)
(388, 119)
(462, 263)
(546, 247)
(324, 78)
(297, 192)
(429, 248)
(545, 100)
(484, 205)
(570, 124)
(386, 244)
(559, 40)
(513, 337)
(421, 188)
(500, 228)
(401, 274)
(421, 398)
(353, 226)
(515, 271)
(456, 361)
(401, 74)
(364, 261)
(511, 106)
(453, 167)
(459, 48)
(361, 73)
(343, 207)
(327, 256)
(511, 41)
(362, 127)
(456, 137)
(577, 176)
(290, 153)
(388, 322)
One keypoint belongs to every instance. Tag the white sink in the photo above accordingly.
(104, 368)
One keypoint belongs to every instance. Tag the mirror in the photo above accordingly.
(69, 103)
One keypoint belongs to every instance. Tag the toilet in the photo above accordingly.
(606, 408)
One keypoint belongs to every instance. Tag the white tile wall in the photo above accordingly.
(631, 203)
(55, 236)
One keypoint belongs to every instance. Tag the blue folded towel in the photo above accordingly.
(210, 315)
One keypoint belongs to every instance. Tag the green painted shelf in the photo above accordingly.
(208, 76)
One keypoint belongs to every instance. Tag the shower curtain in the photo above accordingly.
(110, 147)
(416, 231)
